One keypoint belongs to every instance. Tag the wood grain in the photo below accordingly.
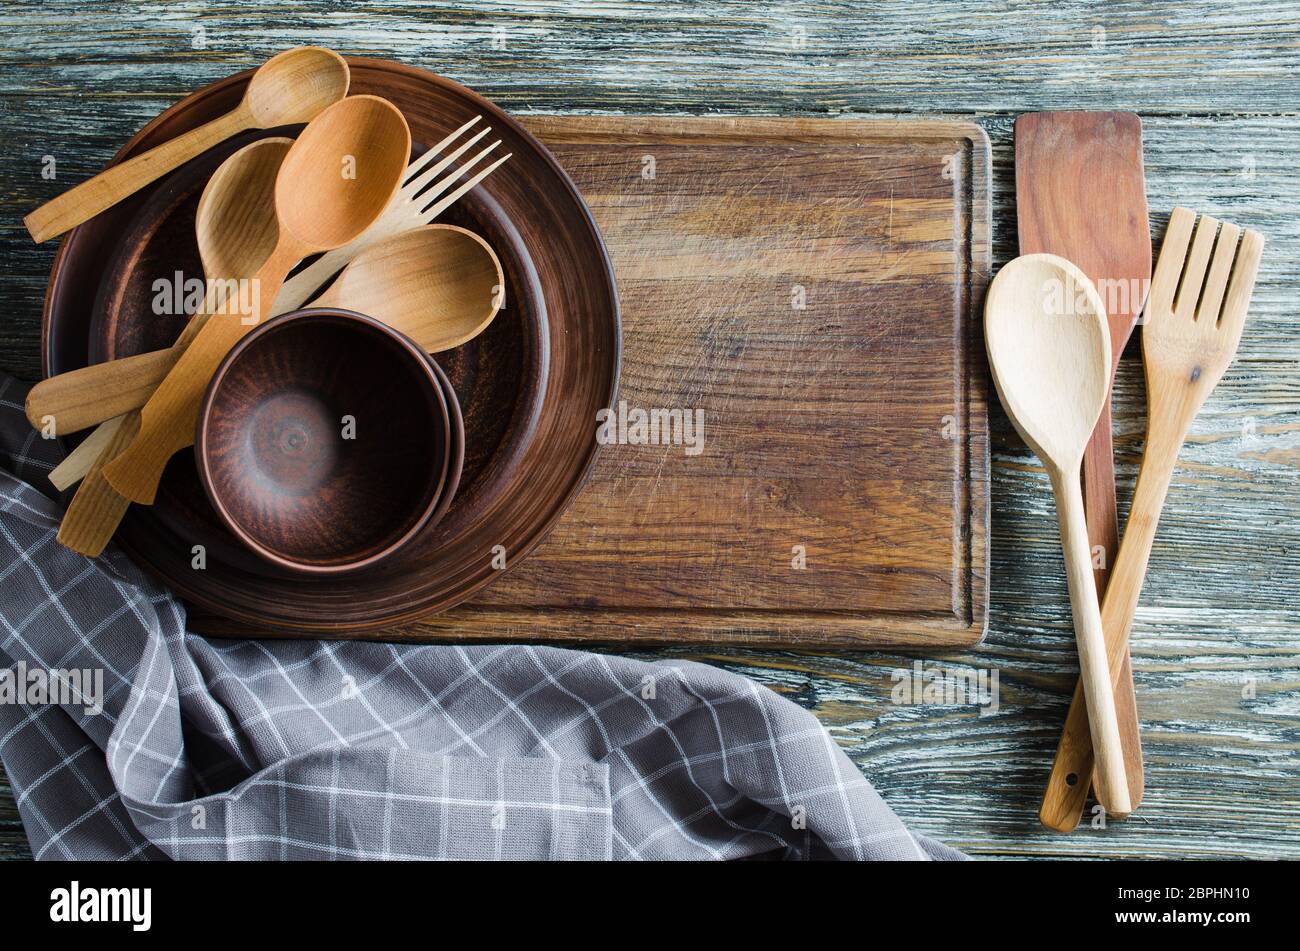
(1217, 666)
(872, 375)
(824, 413)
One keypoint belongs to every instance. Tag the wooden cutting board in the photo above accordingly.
(813, 288)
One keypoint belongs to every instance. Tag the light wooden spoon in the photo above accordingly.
(231, 241)
(1049, 349)
(339, 176)
(291, 87)
(440, 285)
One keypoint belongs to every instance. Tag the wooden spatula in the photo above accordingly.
(1081, 194)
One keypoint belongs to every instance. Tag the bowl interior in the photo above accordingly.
(324, 440)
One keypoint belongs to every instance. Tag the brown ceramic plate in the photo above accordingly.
(529, 387)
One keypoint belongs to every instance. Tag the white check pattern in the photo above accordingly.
(211, 749)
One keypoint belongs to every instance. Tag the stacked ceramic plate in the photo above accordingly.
(529, 387)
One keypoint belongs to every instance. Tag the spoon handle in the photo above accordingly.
(84, 201)
(1111, 782)
(1066, 794)
(77, 463)
(82, 398)
(97, 509)
(167, 420)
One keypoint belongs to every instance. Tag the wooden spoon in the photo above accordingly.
(1049, 349)
(1081, 193)
(291, 87)
(230, 242)
(440, 285)
(338, 177)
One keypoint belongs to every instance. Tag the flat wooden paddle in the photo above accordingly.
(1081, 194)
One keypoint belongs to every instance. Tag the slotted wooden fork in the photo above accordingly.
(419, 201)
(1194, 317)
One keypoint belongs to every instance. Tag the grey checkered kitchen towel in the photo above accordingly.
(151, 742)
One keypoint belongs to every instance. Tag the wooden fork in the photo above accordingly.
(85, 397)
(1193, 324)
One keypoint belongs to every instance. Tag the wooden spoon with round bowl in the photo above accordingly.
(231, 241)
(1049, 350)
(291, 87)
(440, 285)
(336, 180)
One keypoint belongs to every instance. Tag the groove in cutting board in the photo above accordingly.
(855, 426)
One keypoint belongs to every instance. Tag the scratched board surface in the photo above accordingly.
(801, 295)
(1216, 641)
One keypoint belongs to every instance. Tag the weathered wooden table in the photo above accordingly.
(1216, 643)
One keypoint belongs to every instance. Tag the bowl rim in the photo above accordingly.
(455, 443)
(433, 498)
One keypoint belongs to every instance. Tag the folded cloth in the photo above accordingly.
(151, 742)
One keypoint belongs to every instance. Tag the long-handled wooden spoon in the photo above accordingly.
(231, 241)
(439, 284)
(1081, 194)
(1188, 341)
(338, 178)
(291, 87)
(1049, 349)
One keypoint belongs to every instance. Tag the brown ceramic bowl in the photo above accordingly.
(325, 441)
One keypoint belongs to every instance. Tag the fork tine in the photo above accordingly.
(1189, 290)
(1169, 266)
(433, 211)
(1242, 285)
(1225, 249)
(416, 185)
(431, 153)
(440, 186)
